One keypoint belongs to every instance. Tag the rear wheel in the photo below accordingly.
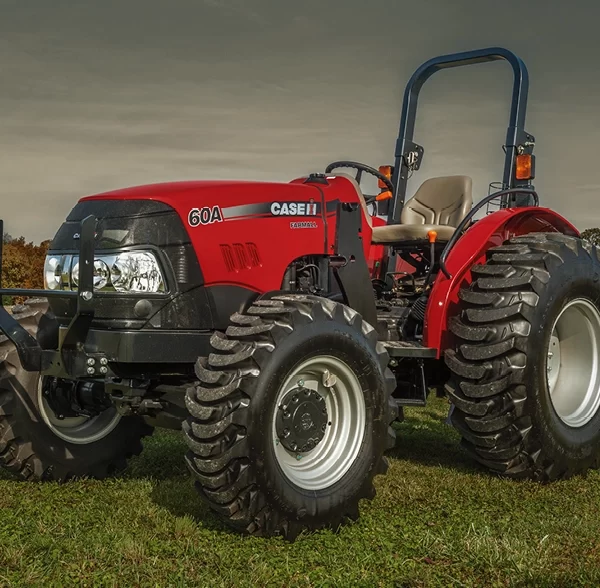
(34, 442)
(290, 420)
(526, 365)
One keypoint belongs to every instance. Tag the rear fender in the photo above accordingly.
(470, 250)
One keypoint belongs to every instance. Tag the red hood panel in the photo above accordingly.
(217, 192)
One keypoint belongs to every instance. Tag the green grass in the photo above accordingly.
(437, 520)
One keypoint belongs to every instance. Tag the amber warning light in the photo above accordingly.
(385, 170)
(525, 167)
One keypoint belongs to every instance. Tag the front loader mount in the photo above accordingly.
(70, 359)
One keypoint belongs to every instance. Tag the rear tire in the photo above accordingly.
(34, 444)
(266, 470)
(532, 308)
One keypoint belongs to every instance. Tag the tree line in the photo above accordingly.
(22, 265)
(591, 235)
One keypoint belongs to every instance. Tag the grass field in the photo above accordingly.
(437, 520)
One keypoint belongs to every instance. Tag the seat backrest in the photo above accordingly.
(439, 201)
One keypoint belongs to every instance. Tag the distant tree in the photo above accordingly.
(591, 235)
(7, 238)
(22, 265)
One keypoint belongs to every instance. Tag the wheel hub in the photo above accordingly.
(79, 413)
(301, 419)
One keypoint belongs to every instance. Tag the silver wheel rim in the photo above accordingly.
(572, 363)
(78, 430)
(331, 459)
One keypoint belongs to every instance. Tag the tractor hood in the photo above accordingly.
(204, 193)
(162, 217)
(158, 214)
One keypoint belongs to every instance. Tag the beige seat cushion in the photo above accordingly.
(395, 233)
(438, 205)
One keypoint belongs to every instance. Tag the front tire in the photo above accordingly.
(291, 417)
(34, 443)
(526, 365)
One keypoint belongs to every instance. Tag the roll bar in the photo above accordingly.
(408, 154)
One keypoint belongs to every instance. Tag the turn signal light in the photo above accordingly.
(385, 170)
(524, 170)
(383, 196)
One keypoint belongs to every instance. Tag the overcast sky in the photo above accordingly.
(97, 95)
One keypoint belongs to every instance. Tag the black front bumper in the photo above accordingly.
(147, 346)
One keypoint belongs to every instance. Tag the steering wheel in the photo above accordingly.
(361, 167)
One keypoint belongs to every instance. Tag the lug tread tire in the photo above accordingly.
(17, 452)
(489, 360)
(219, 455)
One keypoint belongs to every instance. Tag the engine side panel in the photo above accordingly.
(470, 250)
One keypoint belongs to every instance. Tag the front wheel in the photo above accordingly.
(291, 417)
(35, 442)
(526, 366)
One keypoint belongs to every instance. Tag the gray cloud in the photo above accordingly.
(98, 95)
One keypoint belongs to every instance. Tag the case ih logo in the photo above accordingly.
(294, 209)
(205, 216)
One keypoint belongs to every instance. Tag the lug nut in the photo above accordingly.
(87, 296)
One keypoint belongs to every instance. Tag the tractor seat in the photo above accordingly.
(439, 205)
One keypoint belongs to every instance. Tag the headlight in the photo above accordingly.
(136, 271)
(52, 272)
(129, 272)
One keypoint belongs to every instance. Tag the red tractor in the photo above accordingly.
(284, 326)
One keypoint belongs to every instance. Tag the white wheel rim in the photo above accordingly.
(77, 430)
(333, 456)
(572, 363)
